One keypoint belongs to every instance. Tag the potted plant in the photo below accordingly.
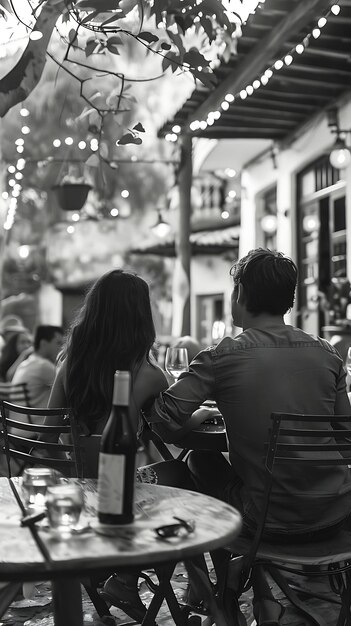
(72, 192)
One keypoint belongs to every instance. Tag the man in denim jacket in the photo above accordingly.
(270, 366)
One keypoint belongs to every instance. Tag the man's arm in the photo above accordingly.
(171, 414)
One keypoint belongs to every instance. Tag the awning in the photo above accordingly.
(203, 242)
(303, 86)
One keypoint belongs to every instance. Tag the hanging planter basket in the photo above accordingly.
(72, 196)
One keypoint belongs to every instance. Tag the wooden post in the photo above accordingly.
(182, 284)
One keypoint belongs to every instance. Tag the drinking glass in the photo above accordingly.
(35, 483)
(348, 361)
(64, 504)
(176, 361)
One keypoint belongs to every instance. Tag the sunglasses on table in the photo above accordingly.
(178, 529)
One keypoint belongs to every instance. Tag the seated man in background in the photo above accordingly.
(38, 369)
(270, 366)
(192, 345)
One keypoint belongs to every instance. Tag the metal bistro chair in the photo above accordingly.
(290, 444)
(66, 458)
(17, 393)
(28, 445)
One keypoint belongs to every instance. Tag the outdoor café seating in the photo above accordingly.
(26, 449)
(331, 558)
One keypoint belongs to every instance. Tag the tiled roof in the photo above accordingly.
(203, 242)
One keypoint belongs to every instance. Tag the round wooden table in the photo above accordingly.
(40, 555)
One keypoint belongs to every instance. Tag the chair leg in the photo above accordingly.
(344, 618)
(98, 602)
(293, 598)
(7, 596)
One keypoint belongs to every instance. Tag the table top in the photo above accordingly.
(29, 553)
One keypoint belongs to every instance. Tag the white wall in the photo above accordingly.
(314, 140)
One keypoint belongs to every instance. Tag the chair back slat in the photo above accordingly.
(286, 460)
(45, 445)
(60, 464)
(307, 432)
(38, 428)
(311, 447)
(304, 417)
(18, 441)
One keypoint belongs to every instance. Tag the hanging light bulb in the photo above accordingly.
(161, 228)
(340, 155)
(269, 224)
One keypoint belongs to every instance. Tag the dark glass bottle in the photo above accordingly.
(117, 458)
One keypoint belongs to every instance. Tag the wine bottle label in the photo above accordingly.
(111, 483)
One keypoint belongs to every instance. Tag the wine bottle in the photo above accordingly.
(117, 458)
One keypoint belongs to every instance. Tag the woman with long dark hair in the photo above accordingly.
(114, 330)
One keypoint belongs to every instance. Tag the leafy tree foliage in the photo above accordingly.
(103, 28)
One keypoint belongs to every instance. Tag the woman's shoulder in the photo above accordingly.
(151, 371)
(150, 380)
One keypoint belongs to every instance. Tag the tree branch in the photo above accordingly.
(21, 80)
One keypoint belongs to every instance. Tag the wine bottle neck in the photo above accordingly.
(121, 389)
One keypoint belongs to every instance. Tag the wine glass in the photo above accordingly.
(176, 361)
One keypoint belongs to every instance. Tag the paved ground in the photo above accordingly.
(38, 611)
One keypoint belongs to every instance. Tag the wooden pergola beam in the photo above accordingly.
(261, 55)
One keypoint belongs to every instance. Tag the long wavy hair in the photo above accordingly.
(114, 330)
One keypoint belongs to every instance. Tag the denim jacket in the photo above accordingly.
(279, 368)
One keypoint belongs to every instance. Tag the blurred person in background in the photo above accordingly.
(192, 345)
(9, 325)
(17, 347)
(38, 370)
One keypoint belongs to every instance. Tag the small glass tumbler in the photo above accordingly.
(64, 503)
(35, 483)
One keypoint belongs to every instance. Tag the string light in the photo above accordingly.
(277, 65)
(35, 35)
(21, 164)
